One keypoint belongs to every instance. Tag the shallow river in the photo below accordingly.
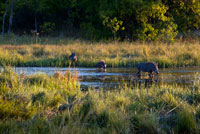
(116, 77)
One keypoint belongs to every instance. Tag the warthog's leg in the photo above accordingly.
(151, 75)
(139, 74)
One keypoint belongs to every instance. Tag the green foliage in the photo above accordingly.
(113, 24)
(3, 87)
(103, 119)
(186, 123)
(16, 109)
(40, 90)
(142, 19)
(185, 14)
(154, 24)
(47, 28)
(38, 97)
(144, 123)
(39, 79)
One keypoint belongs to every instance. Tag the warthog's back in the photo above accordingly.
(101, 64)
(147, 67)
(73, 57)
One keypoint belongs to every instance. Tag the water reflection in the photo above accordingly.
(100, 70)
(147, 82)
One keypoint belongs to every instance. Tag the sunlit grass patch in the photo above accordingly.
(120, 54)
(55, 104)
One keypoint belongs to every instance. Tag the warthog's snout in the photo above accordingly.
(101, 64)
(157, 72)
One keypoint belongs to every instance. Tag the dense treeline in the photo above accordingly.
(101, 19)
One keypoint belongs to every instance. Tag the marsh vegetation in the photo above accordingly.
(121, 54)
(123, 33)
(55, 104)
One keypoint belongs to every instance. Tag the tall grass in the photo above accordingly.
(121, 54)
(41, 104)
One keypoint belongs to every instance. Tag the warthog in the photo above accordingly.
(73, 57)
(101, 64)
(149, 67)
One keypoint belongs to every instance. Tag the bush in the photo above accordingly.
(186, 123)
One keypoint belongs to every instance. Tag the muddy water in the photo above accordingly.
(116, 77)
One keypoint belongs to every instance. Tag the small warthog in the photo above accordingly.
(101, 64)
(73, 57)
(149, 67)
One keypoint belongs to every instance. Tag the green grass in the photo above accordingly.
(51, 52)
(39, 104)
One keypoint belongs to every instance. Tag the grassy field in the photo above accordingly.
(22, 51)
(40, 104)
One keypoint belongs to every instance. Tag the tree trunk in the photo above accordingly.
(11, 17)
(36, 27)
(36, 7)
(4, 15)
(69, 13)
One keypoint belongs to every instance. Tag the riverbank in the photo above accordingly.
(120, 54)
(54, 104)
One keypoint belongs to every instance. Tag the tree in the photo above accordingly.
(12, 3)
(114, 25)
(102, 19)
(4, 15)
(186, 14)
(144, 20)
(154, 24)
(31, 14)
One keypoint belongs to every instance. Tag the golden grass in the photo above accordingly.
(55, 104)
(121, 54)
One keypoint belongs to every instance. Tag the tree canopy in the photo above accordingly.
(103, 19)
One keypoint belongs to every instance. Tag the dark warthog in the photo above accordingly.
(73, 57)
(101, 64)
(149, 67)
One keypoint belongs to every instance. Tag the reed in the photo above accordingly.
(41, 104)
(120, 54)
